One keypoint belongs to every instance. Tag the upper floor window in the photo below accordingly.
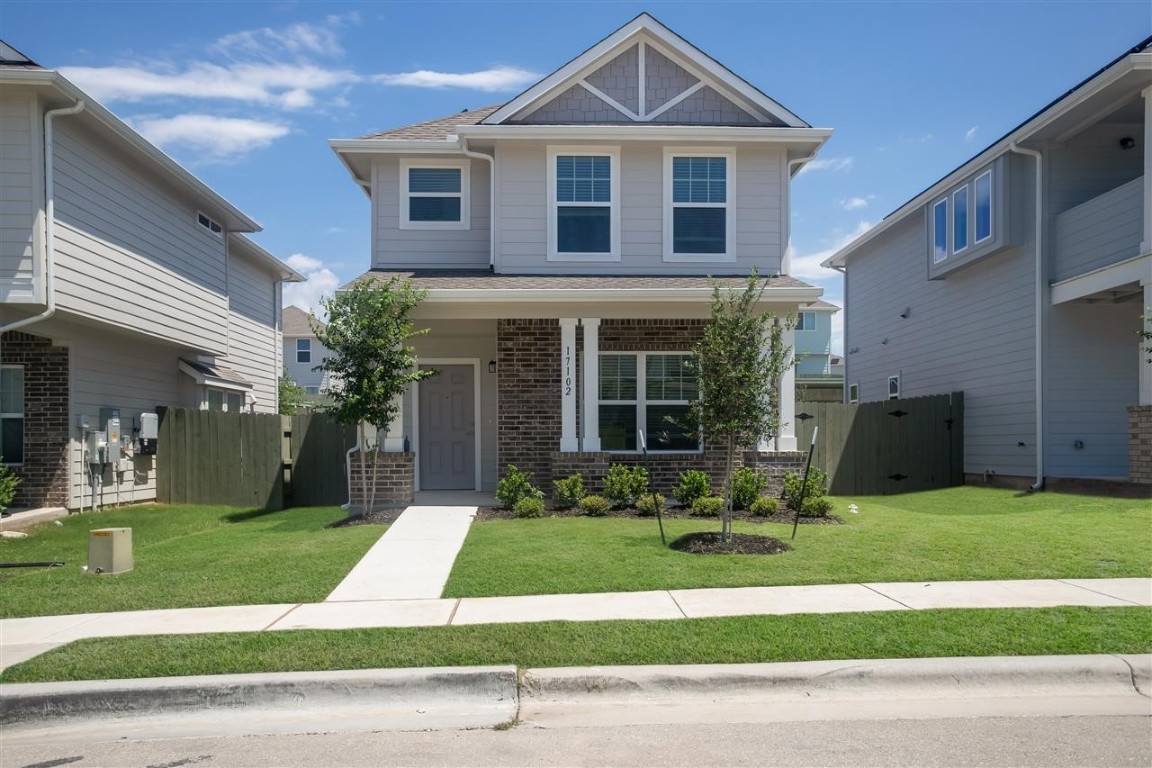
(303, 350)
(805, 321)
(584, 213)
(209, 224)
(647, 391)
(963, 218)
(983, 204)
(434, 194)
(697, 213)
(12, 414)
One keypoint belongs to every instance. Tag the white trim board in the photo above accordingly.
(475, 363)
(1135, 270)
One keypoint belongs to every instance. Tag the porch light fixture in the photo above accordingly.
(491, 366)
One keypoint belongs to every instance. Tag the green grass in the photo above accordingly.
(185, 557)
(964, 533)
(906, 634)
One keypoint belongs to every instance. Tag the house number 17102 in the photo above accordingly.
(567, 370)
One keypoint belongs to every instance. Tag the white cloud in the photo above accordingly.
(855, 203)
(221, 138)
(321, 282)
(496, 79)
(296, 39)
(806, 266)
(971, 133)
(829, 164)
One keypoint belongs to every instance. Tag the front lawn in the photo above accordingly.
(185, 557)
(886, 635)
(965, 533)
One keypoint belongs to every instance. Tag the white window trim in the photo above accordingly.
(729, 155)
(613, 154)
(963, 190)
(991, 207)
(937, 258)
(854, 392)
(219, 228)
(307, 351)
(225, 392)
(641, 401)
(800, 317)
(16, 415)
(888, 387)
(464, 166)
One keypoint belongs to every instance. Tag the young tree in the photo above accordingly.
(289, 395)
(371, 362)
(739, 362)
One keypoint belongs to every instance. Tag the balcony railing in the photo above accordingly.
(1099, 232)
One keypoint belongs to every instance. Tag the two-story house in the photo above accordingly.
(1021, 278)
(565, 239)
(125, 284)
(819, 376)
(303, 352)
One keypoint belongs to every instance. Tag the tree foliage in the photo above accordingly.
(290, 396)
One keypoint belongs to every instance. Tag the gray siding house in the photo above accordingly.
(818, 376)
(1021, 278)
(565, 239)
(125, 284)
(303, 351)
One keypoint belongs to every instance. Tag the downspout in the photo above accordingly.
(786, 260)
(1039, 320)
(491, 197)
(49, 259)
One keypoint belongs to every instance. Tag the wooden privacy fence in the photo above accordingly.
(891, 446)
(250, 460)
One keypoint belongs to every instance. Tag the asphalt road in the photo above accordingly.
(969, 741)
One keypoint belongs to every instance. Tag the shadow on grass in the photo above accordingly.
(248, 514)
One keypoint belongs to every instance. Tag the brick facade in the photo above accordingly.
(45, 468)
(1140, 444)
(395, 480)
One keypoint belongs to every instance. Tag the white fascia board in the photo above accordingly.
(1134, 62)
(806, 137)
(1134, 270)
(584, 295)
(236, 219)
(249, 248)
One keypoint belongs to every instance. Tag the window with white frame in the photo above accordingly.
(228, 400)
(940, 231)
(209, 224)
(894, 387)
(303, 350)
(805, 321)
(960, 219)
(854, 392)
(698, 206)
(983, 206)
(12, 414)
(963, 220)
(647, 391)
(434, 194)
(584, 209)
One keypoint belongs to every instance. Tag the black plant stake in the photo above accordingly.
(804, 486)
(655, 503)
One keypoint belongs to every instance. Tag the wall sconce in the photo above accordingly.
(1127, 142)
(884, 340)
(491, 366)
(854, 350)
(907, 311)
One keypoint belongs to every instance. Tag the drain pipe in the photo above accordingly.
(1039, 320)
(786, 258)
(490, 159)
(49, 245)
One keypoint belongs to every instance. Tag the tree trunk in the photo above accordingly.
(729, 460)
(363, 470)
(375, 471)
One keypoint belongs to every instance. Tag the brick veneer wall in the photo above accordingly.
(45, 469)
(1140, 443)
(395, 479)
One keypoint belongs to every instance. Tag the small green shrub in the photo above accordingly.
(516, 485)
(567, 492)
(747, 485)
(817, 485)
(817, 506)
(529, 506)
(765, 506)
(649, 504)
(9, 482)
(595, 506)
(623, 486)
(708, 506)
(693, 485)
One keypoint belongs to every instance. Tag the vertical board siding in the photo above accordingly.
(20, 171)
(253, 335)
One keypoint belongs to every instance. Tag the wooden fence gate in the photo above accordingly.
(317, 448)
(886, 447)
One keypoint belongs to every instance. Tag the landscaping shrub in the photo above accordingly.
(567, 492)
(693, 485)
(9, 482)
(818, 506)
(516, 485)
(708, 506)
(747, 485)
(765, 506)
(529, 506)
(595, 506)
(649, 504)
(817, 485)
(623, 486)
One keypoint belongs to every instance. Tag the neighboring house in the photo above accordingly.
(124, 285)
(565, 239)
(303, 351)
(816, 377)
(1020, 279)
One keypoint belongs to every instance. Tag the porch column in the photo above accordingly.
(786, 437)
(591, 383)
(1145, 366)
(393, 441)
(568, 439)
(1146, 246)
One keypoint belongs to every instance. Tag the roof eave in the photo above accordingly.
(537, 296)
(287, 274)
(407, 146)
(815, 137)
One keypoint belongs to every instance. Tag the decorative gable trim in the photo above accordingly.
(647, 33)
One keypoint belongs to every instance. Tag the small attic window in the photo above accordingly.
(209, 224)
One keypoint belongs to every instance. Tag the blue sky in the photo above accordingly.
(245, 94)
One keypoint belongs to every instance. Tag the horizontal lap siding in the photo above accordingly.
(971, 332)
(129, 251)
(1103, 231)
(253, 340)
(20, 186)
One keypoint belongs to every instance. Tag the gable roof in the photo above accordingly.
(297, 322)
(1137, 59)
(438, 129)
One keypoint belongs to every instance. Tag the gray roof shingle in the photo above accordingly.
(439, 129)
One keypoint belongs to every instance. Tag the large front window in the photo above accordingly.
(584, 212)
(651, 392)
(12, 414)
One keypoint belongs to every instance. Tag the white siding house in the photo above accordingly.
(125, 284)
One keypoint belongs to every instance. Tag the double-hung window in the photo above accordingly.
(303, 350)
(12, 414)
(697, 206)
(647, 391)
(805, 321)
(434, 194)
(584, 208)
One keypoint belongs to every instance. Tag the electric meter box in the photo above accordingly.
(149, 431)
(96, 445)
(110, 551)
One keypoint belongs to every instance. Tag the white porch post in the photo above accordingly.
(786, 437)
(394, 438)
(591, 383)
(1145, 366)
(1146, 246)
(568, 439)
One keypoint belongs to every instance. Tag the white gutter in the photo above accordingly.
(49, 244)
(786, 262)
(491, 197)
(1040, 313)
(650, 132)
(406, 146)
(539, 296)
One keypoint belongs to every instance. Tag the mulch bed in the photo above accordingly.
(493, 513)
(710, 543)
(379, 517)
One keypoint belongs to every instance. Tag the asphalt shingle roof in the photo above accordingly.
(297, 322)
(438, 129)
